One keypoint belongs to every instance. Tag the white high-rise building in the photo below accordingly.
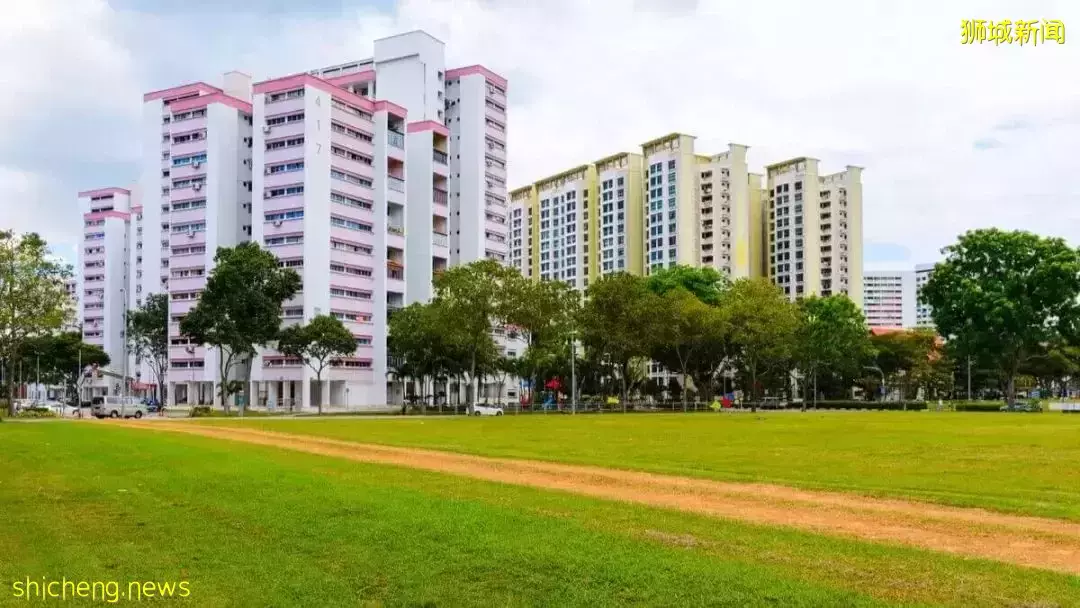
(923, 313)
(889, 298)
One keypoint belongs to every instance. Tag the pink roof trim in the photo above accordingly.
(296, 81)
(204, 100)
(427, 125)
(391, 107)
(347, 79)
(488, 75)
(184, 89)
(103, 192)
(99, 215)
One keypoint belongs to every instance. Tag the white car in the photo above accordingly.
(486, 410)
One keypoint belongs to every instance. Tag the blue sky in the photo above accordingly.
(952, 137)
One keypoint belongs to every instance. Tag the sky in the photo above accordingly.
(952, 137)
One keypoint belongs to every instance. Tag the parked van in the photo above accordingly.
(118, 407)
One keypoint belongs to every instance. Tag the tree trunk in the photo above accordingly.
(1010, 388)
(318, 386)
(470, 393)
(753, 388)
(624, 393)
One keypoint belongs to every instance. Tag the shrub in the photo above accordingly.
(864, 405)
(36, 412)
(202, 411)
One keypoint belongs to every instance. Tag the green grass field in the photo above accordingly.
(254, 526)
(1022, 463)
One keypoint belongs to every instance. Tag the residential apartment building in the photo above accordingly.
(639, 212)
(196, 184)
(814, 228)
(889, 299)
(923, 312)
(102, 272)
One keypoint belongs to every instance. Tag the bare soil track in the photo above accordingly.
(1027, 541)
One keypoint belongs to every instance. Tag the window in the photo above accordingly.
(294, 94)
(189, 250)
(350, 247)
(285, 167)
(353, 270)
(284, 143)
(349, 201)
(351, 132)
(350, 224)
(295, 214)
(190, 227)
(291, 263)
(355, 294)
(186, 205)
(287, 118)
(349, 154)
(199, 113)
(277, 241)
(185, 273)
(287, 191)
(354, 317)
(344, 107)
(350, 178)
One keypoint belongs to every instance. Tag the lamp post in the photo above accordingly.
(123, 337)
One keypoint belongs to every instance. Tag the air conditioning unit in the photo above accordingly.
(196, 165)
(267, 129)
(190, 350)
(191, 234)
(267, 171)
(277, 223)
(197, 186)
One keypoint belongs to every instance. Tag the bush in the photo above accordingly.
(977, 406)
(36, 412)
(202, 411)
(864, 405)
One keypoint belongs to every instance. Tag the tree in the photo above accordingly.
(476, 298)
(617, 321)
(148, 334)
(61, 359)
(704, 283)
(1004, 295)
(316, 343)
(33, 301)
(831, 335)
(763, 325)
(240, 308)
(905, 354)
(683, 327)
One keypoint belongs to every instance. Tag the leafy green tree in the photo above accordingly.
(705, 283)
(763, 325)
(148, 334)
(476, 298)
(240, 308)
(831, 337)
(901, 355)
(61, 359)
(33, 301)
(617, 321)
(683, 327)
(1004, 295)
(316, 344)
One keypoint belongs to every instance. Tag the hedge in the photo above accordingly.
(36, 412)
(863, 405)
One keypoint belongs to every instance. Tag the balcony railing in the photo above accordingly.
(395, 139)
(440, 196)
(439, 157)
(398, 230)
(440, 239)
(395, 183)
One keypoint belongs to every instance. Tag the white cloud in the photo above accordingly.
(886, 86)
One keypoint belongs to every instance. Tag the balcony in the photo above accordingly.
(440, 240)
(395, 139)
(440, 157)
(395, 183)
(188, 147)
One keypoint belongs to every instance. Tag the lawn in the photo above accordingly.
(252, 526)
(1022, 463)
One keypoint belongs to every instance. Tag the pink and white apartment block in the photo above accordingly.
(367, 178)
(196, 180)
(102, 274)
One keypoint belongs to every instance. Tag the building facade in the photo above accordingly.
(814, 228)
(889, 299)
(923, 313)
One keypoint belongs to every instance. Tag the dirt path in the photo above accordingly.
(1028, 541)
